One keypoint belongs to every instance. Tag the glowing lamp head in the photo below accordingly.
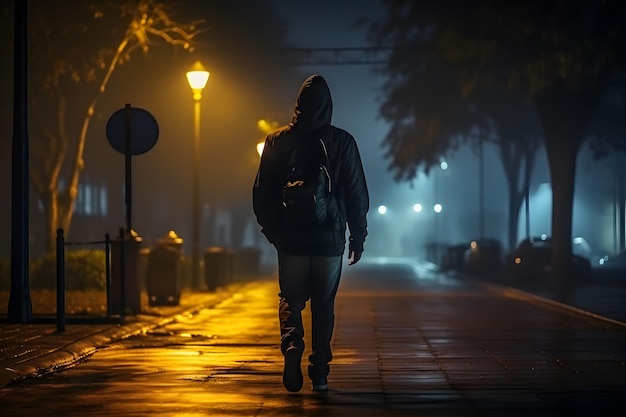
(197, 78)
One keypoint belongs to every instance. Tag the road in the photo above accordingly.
(409, 341)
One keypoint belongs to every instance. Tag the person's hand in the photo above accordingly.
(354, 257)
(355, 250)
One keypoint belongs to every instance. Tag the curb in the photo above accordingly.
(514, 293)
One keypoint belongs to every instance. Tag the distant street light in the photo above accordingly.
(197, 78)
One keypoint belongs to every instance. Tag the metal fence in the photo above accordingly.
(120, 295)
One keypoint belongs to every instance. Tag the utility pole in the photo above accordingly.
(20, 309)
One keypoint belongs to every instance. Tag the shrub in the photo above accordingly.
(84, 270)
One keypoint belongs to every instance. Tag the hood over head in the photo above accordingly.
(314, 105)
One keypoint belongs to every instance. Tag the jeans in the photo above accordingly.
(303, 278)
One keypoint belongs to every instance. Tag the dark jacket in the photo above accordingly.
(312, 117)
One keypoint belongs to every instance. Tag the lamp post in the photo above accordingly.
(197, 78)
(437, 209)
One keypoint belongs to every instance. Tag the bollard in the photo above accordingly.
(107, 271)
(60, 248)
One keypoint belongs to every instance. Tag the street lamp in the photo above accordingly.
(197, 78)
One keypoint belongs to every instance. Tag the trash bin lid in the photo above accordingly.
(171, 239)
(132, 236)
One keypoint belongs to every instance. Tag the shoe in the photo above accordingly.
(292, 374)
(320, 385)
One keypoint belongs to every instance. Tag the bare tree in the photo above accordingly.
(74, 53)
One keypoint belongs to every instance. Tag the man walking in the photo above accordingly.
(310, 256)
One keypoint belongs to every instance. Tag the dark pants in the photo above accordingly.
(303, 278)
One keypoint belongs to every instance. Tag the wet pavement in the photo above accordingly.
(408, 341)
(31, 350)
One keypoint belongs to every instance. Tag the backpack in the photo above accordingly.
(307, 197)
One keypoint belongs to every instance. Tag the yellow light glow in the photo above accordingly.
(197, 77)
(174, 237)
(259, 148)
(266, 126)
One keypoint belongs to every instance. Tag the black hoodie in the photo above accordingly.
(312, 116)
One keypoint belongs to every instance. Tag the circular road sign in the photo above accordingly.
(144, 130)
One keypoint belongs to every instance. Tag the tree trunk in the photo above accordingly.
(562, 161)
(49, 200)
(58, 216)
(511, 163)
(515, 203)
(65, 203)
(564, 112)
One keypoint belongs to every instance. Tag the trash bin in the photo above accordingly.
(163, 273)
(129, 300)
(218, 267)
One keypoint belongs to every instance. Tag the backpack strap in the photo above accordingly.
(326, 165)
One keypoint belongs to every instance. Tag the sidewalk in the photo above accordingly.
(600, 300)
(407, 343)
(30, 350)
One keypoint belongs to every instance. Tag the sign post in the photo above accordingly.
(131, 131)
